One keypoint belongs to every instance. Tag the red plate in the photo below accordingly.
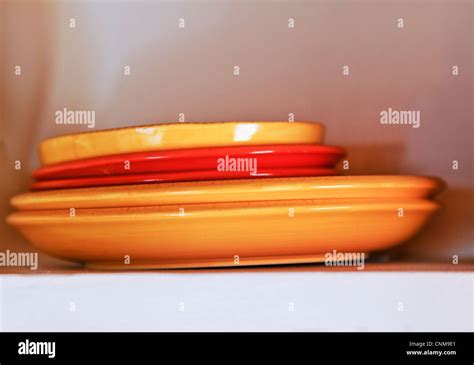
(179, 176)
(268, 157)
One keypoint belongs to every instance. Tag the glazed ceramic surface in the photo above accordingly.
(226, 234)
(267, 156)
(176, 136)
(270, 189)
(176, 176)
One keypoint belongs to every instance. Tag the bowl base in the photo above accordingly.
(192, 264)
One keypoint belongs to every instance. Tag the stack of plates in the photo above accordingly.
(193, 195)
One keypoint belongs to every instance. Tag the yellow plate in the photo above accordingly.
(232, 191)
(226, 234)
(176, 136)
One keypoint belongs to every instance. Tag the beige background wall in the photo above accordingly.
(282, 71)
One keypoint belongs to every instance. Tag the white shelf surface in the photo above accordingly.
(238, 301)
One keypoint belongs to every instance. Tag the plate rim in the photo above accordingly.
(189, 192)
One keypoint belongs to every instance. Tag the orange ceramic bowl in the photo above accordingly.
(224, 234)
(179, 176)
(271, 189)
(265, 156)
